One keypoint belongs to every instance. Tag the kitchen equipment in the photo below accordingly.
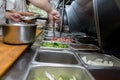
(54, 29)
(107, 14)
(55, 57)
(32, 19)
(19, 33)
(65, 72)
(10, 53)
(84, 38)
(96, 60)
(86, 47)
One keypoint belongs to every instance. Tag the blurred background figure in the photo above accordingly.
(3, 15)
(21, 7)
(18, 6)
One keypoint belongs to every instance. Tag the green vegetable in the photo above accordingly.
(54, 44)
(36, 78)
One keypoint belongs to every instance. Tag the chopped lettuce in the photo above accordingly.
(54, 44)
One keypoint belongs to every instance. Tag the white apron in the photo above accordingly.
(2, 15)
(18, 5)
(2, 11)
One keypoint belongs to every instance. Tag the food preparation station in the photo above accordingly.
(67, 54)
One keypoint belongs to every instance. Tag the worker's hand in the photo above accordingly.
(13, 16)
(54, 15)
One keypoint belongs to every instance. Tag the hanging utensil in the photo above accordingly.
(62, 17)
(54, 29)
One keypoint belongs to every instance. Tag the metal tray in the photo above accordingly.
(50, 34)
(47, 38)
(98, 60)
(87, 47)
(37, 72)
(55, 57)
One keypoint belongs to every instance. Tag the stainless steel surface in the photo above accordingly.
(30, 19)
(87, 47)
(52, 34)
(97, 22)
(18, 70)
(57, 34)
(38, 72)
(19, 33)
(55, 57)
(62, 18)
(47, 38)
(101, 60)
(54, 29)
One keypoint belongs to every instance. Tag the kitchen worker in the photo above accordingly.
(4, 15)
(21, 7)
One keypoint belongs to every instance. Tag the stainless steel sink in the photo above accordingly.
(57, 57)
(37, 72)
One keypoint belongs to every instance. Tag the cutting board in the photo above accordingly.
(9, 54)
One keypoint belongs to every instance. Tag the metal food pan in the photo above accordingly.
(98, 59)
(88, 47)
(50, 34)
(47, 38)
(58, 72)
(55, 57)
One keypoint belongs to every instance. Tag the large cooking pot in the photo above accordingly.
(19, 33)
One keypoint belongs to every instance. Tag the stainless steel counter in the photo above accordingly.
(18, 70)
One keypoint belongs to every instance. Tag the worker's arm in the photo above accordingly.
(43, 4)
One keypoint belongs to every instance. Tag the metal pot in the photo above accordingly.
(19, 33)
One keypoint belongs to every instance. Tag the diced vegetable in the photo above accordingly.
(97, 62)
(54, 44)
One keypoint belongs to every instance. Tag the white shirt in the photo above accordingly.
(18, 5)
(2, 11)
